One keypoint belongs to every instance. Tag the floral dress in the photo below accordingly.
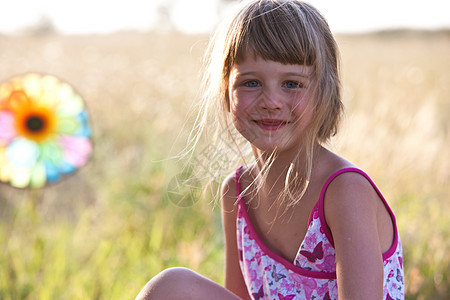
(312, 275)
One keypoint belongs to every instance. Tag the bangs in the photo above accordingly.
(276, 32)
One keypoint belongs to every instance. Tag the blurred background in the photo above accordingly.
(103, 232)
(201, 16)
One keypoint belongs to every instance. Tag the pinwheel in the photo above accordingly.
(44, 131)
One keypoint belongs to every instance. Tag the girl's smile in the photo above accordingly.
(271, 124)
(270, 102)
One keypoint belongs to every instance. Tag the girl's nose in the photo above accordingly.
(270, 100)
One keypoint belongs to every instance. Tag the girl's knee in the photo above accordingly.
(177, 272)
(169, 284)
(178, 275)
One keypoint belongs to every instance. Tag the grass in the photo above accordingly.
(102, 233)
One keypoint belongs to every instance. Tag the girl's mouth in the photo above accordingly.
(271, 124)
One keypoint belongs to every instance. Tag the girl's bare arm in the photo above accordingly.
(233, 275)
(351, 206)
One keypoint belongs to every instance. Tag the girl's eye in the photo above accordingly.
(293, 85)
(251, 83)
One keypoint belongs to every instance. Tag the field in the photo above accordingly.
(103, 232)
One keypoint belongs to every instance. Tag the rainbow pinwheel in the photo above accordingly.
(44, 131)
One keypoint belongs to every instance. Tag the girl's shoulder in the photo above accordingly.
(354, 207)
(231, 188)
(347, 189)
(236, 181)
(351, 184)
(229, 191)
(346, 182)
(234, 184)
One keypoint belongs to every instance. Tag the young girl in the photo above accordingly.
(300, 222)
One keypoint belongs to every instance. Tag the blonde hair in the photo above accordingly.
(285, 31)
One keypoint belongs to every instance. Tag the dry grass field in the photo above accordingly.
(103, 232)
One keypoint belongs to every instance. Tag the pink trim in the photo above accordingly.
(320, 206)
(290, 266)
(276, 257)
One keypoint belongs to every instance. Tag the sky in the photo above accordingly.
(201, 16)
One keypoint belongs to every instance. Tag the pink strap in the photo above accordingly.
(321, 209)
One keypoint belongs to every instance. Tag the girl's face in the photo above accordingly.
(270, 102)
